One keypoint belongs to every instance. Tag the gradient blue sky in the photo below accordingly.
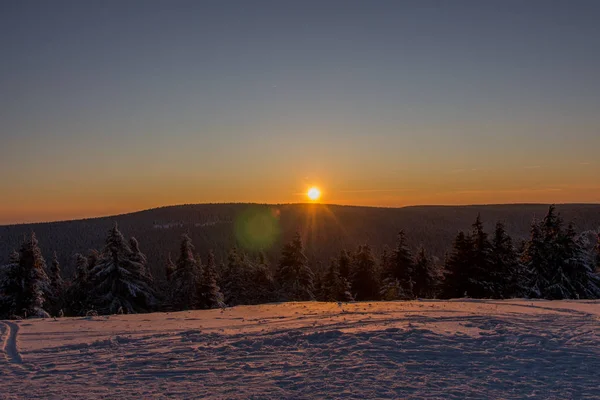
(113, 106)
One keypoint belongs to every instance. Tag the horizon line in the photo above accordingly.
(288, 204)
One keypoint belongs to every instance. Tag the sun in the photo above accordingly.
(314, 193)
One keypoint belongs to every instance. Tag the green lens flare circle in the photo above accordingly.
(257, 228)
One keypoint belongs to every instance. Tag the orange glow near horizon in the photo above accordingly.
(72, 198)
(54, 205)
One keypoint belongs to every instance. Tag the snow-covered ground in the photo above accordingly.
(421, 349)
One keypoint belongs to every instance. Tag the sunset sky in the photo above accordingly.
(113, 106)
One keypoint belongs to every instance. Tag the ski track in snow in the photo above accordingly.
(9, 344)
(424, 349)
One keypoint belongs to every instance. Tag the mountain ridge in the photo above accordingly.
(297, 204)
(326, 229)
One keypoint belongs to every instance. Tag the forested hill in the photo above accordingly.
(325, 228)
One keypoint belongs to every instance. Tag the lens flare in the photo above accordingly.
(257, 228)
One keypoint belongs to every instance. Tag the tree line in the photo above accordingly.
(552, 264)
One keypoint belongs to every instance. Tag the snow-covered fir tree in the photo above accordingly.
(397, 272)
(595, 270)
(9, 285)
(425, 275)
(506, 271)
(167, 291)
(335, 287)
(25, 283)
(186, 278)
(319, 292)
(139, 263)
(457, 267)
(78, 296)
(534, 262)
(345, 265)
(575, 273)
(468, 269)
(199, 263)
(480, 273)
(294, 276)
(565, 265)
(14, 257)
(390, 288)
(263, 284)
(170, 268)
(57, 287)
(137, 256)
(37, 286)
(596, 256)
(365, 275)
(210, 295)
(556, 262)
(236, 279)
(120, 282)
(92, 259)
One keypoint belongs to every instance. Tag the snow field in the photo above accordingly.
(435, 349)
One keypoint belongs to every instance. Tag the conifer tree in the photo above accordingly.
(594, 276)
(397, 272)
(92, 259)
(57, 287)
(170, 268)
(24, 284)
(390, 288)
(551, 227)
(385, 262)
(575, 273)
(425, 276)
(210, 295)
(335, 287)
(9, 286)
(295, 278)
(138, 258)
(34, 280)
(565, 265)
(199, 265)
(236, 279)
(14, 257)
(326, 282)
(480, 282)
(263, 284)
(457, 268)
(556, 263)
(168, 291)
(534, 261)
(78, 293)
(320, 291)
(555, 252)
(187, 277)
(119, 280)
(506, 270)
(56, 280)
(344, 265)
(365, 276)
(597, 255)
